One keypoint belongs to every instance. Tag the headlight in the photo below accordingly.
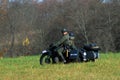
(84, 54)
(44, 51)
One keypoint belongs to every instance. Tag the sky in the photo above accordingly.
(104, 1)
(14, 0)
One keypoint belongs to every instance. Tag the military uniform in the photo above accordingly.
(65, 41)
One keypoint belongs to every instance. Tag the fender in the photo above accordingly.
(46, 52)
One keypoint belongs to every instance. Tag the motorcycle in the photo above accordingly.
(87, 53)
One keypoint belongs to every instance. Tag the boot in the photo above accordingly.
(64, 61)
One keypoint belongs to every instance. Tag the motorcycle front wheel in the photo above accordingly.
(45, 59)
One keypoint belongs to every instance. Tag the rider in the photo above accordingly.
(64, 41)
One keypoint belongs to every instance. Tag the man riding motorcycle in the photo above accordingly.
(66, 41)
(67, 51)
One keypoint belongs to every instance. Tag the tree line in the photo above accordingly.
(29, 26)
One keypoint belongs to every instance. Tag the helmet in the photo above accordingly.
(64, 30)
(71, 36)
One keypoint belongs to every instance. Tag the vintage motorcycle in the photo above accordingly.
(89, 52)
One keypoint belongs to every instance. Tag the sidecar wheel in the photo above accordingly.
(93, 60)
(45, 59)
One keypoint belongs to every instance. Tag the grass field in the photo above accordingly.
(107, 67)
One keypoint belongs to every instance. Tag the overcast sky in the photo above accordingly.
(38, 0)
(104, 1)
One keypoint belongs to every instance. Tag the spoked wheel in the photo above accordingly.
(45, 59)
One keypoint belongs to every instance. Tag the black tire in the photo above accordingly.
(45, 59)
(80, 58)
(93, 60)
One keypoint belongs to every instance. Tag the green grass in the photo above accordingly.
(107, 67)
